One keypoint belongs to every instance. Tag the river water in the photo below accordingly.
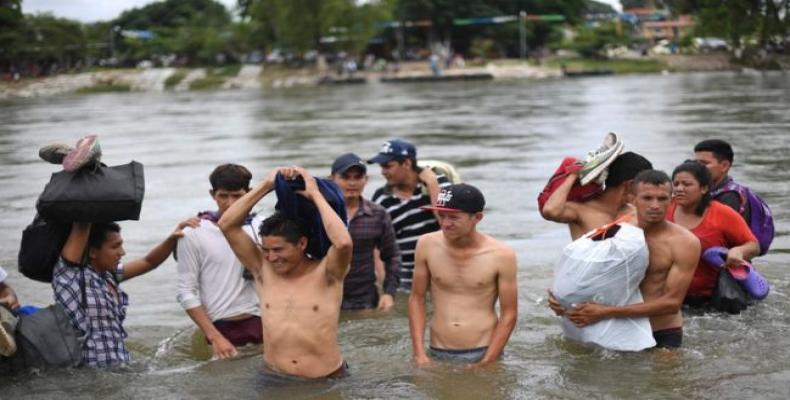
(506, 137)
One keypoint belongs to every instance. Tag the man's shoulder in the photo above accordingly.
(380, 192)
(429, 238)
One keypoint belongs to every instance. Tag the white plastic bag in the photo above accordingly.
(608, 272)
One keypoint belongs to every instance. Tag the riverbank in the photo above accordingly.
(257, 77)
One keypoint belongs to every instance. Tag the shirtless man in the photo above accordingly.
(299, 297)
(603, 208)
(466, 272)
(674, 253)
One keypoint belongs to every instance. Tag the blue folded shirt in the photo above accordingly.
(297, 206)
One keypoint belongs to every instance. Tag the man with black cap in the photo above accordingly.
(403, 196)
(370, 227)
(467, 272)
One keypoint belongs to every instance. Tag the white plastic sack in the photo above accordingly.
(606, 272)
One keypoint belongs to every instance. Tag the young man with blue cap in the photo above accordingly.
(467, 272)
(402, 197)
(370, 227)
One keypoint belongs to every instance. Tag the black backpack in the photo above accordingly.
(42, 242)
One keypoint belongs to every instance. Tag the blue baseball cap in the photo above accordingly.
(346, 162)
(394, 149)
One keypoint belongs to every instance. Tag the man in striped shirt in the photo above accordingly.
(403, 196)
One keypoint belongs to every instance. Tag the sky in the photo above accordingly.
(103, 10)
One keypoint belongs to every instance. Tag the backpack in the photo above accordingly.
(42, 242)
(761, 219)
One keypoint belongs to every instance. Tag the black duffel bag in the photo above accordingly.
(42, 243)
(48, 339)
(101, 194)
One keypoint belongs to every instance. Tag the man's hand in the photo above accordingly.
(555, 305)
(192, 222)
(222, 348)
(586, 314)
(310, 188)
(386, 302)
(422, 360)
(426, 176)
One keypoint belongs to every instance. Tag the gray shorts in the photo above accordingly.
(458, 355)
(272, 377)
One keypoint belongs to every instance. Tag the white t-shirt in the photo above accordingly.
(209, 274)
(3, 275)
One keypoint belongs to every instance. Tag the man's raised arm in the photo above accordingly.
(232, 221)
(557, 207)
(338, 258)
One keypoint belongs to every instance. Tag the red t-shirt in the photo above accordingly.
(720, 226)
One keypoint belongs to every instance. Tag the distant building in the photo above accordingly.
(668, 29)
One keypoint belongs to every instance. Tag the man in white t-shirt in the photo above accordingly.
(212, 286)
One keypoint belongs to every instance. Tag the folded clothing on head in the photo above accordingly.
(296, 206)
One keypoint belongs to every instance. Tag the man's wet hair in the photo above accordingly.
(625, 167)
(230, 177)
(721, 150)
(652, 177)
(279, 224)
(702, 175)
(99, 232)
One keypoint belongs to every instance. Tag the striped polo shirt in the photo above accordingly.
(409, 222)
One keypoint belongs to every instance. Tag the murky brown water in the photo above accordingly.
(505, 137)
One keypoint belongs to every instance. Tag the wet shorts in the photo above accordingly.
(460, 356)
(670, 338)
(242, 331)
(270, 376)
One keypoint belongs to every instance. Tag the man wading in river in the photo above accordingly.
(299, 296)
(466, 272)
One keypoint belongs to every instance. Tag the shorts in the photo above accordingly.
(671, 338)
(242, 331)
(458, 355)
(270, 376)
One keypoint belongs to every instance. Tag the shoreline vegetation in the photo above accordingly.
(278, 76)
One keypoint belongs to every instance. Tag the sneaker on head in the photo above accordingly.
(54, 153)
(598, 161)
(86, 152)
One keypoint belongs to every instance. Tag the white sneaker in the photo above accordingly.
(598, 161)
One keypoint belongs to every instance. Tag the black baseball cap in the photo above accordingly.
(395, 149)
(459, 198)
(347, 161)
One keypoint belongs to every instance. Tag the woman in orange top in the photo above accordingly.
(715, 224)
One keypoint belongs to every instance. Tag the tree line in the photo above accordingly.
(204, 32)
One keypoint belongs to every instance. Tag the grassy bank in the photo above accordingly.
(215, 77)
(105, 88)
(619, 66)
(175, 78)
